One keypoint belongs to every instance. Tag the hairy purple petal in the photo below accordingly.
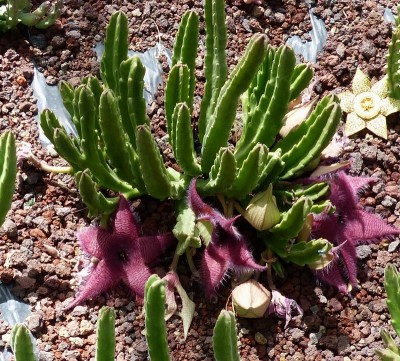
(152, 246)
(122, 254)
(204, 212)
(87, 244)
(227, 249)
(125, 225)
(100, 280)
(136, 275)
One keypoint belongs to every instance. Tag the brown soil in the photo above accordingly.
(38, 246)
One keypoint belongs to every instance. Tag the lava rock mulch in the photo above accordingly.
(39, 254)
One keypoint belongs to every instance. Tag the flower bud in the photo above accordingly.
(251, 299)
(262, 212)
(296, 116)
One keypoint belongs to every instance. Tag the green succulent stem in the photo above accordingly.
(8, 172)
(105, 344)
(21, 344)
(225, 338)
(156, 332)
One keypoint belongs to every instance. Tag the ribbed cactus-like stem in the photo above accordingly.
(393, 60)
(272, 169)
(301, 77)
(51, 17)
(94, 158)
(305, 143)
(132, 104)
(215, 66)
(291, 222)
(8, 172)
(67, 95)
(156, 331)
(225, 338)
(223, 116)
(95, 200)
(222, 174)
(313, 192)
(114, 137)
(32, 18)
(115, 50)
(392, 286)
(21, 344)
(268, 113)
(307, 253)
(184, 146)
(392, 353)
(105, 344)
(152, 166)
(176, 91)
(185, 49)
(249, 173)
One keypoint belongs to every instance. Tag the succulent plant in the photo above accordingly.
(367, 106)
(14, 12)
(115, 148)
(392, 287)
(8, 172)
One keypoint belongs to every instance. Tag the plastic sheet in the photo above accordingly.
(12, 311)
(152, 78)
(310, 49)
(49, 96)
(388, 16)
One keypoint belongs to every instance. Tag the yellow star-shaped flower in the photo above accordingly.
(367, 107)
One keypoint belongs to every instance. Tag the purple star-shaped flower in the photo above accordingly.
(121, 254)
(227, 248)
(347, 227)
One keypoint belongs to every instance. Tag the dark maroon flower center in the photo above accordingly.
(122, 256)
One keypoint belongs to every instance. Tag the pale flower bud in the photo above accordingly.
(262, 212)
(251, 299)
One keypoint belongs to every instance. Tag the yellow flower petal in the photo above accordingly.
(346, 101)
(378, 126)
(389, 106)
(381, 88)
(353, 124)
(360, 83)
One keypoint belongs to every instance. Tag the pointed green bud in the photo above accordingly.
(324, 261)
(251, 299)
(262, 212)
